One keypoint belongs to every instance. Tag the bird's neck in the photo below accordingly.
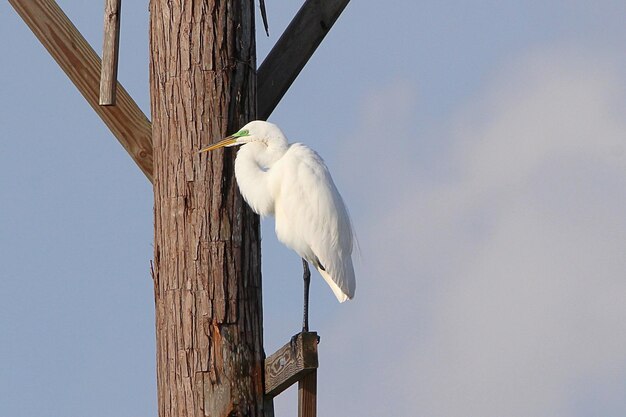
(253, 162)
(267, 155)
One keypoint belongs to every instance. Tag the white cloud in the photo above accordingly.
(497, 289)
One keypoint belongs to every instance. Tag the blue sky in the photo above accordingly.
(481, 149)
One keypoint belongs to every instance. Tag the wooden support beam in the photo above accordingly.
(82, 65)
(292, 51)
(291, 363)
(110, 52)
(307, 395)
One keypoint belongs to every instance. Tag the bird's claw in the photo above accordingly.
(293, 343)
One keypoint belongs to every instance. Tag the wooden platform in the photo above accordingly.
(295, 362)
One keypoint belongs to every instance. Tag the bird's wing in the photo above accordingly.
(311, 218)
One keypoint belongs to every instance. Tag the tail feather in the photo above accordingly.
(339, 293)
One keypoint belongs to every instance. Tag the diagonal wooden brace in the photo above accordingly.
(293, 50)
(82, 65)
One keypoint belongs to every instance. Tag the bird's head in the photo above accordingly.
(255, 131)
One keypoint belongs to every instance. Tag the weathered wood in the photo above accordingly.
(307, 395)
(292, 51)
(290, 363)
(82, 65)
(207, 259)
(110, 52)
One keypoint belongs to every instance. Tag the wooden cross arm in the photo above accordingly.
(291, 363)
(82, 65)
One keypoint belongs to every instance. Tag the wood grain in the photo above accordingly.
(207, 258)
(293, 50)
(307, 395)
(82, 65)
(290, 363)
(110, 52)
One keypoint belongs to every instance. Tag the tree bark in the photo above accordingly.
(207, 266)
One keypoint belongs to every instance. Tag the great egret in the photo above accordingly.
(292, 182)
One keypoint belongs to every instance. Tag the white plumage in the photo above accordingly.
(292, 182)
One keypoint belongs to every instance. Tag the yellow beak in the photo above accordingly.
(224, 142)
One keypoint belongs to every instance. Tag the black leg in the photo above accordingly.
(307, 282)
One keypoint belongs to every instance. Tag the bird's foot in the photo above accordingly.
(293, 343)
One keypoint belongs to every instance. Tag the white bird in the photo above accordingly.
(292, 182)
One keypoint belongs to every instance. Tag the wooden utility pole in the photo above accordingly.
(207, 267)
(207, 271)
